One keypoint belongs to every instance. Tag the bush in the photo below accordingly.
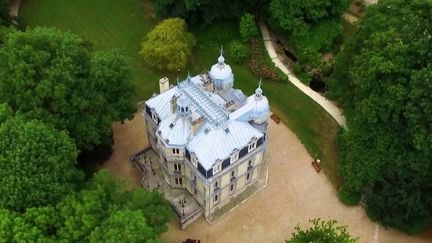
(248, 28)
(168, 46)
(238, 52)
(261, 65)
(310, 44)
(297, 69)
(348, 197)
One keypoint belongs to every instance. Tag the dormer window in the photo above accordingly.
(252, 144)
(154, 117)
(234, 155)
(194, 160)
(217, 167)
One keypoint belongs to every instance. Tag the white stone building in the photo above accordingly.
(210, 137)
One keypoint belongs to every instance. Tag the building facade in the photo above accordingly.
(210, 137)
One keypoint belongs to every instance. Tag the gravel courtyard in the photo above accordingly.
(295, 193)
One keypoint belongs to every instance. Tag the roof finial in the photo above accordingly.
(258, 91)
(221, 59)
(188, 75)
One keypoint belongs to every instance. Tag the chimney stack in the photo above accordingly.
(163, 84)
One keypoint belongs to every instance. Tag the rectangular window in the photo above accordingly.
(250, 163)
(252, 146)
(232, 188)
(154, 117)
(232, 173)
(216, 184)
(177, 168)
(247, 176)
(216, 198)
(217, 168)
(234, 156)
(176, 151)
(178, 181)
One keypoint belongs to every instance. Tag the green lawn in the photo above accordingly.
(108, 24)
(122, 24)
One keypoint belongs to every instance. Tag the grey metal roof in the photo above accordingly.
(211, 144)
(175, 130)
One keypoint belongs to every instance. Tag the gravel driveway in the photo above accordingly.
(295, 193)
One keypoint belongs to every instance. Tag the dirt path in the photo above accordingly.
(129, 138)
(295, 193)
(328, 105)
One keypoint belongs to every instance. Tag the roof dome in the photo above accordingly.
(222, 74)
(261, 108)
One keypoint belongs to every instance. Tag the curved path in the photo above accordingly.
(328, 105)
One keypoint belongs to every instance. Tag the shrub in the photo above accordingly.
(349, 197)
(248, 28)
(168, 46)
(310, 44)
(238, 52)
(261, 65)
(297, 69)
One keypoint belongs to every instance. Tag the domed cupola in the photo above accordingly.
(261, 108)
(222, 74)
(183, 106)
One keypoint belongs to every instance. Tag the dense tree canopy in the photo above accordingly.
(383, 79)
(322, 232)
(101, 212)
(207, 11)
(295, 16)
(37, 164)
(55, 77)
(169, 45)
(4, 11)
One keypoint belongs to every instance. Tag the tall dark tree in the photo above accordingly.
(37, 164)
(207, 11)
(55, 77)
(295, 16)
(383, 78)
(4, 12)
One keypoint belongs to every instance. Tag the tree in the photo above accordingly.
(37, 164)
(103, 204)
(168, 46)
(206, 12)
(31, 226)
(124, 226)
(55, 77)
(296, 16)
(102, 211)
(4, 12)
(248, 28)
(383, 79)
(322, 231)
